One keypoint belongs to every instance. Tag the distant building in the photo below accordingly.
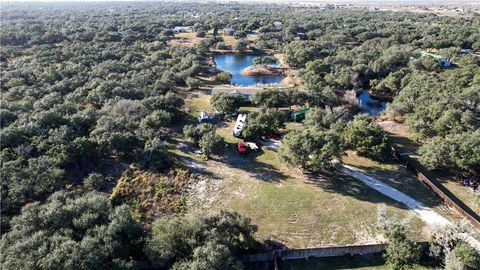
(302, 36)
(278, 25)
(445, 61)
(179, 29)
(228, 31)
(245, 92)
(122, 33)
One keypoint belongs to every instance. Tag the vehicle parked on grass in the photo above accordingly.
(242, 148)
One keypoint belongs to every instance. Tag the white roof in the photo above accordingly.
(237, 129)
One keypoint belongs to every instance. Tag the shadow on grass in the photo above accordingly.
(343, 262)
(249, 163)
(343, 184)
(405, 181)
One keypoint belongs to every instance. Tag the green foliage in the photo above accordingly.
(401, 252)
(210, 143)
(457, 153)
(72, 232)
(263, 123)
(323, 118)
(365, 137)
(240, 45)
(224, 77)
(94, 181)
(201, 242)
(298, 53)
(226, 103)
(192, 83)
(209, 256)
(196, 132)
(462, 257)
(204, 136)
(271, 98)
(312, 149)
(264, 60)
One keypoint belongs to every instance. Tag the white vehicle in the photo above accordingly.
(252, 146)
(237, 129)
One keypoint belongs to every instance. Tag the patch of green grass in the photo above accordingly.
(198, 103)
(189, 35)
(372, 262)
(229, 40)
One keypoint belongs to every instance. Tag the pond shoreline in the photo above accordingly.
(243, 70)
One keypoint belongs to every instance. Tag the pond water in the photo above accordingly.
(369, 105)
(236, 63)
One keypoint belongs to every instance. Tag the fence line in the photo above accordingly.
(448, 197)
(322, 252)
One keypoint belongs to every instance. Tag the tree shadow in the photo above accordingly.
(406, 182)
(345, 185)
(249, 163)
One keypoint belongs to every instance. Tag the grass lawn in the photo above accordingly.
(229, 40)
(371, 262)
(189, 35)
(288, 206)
(198, 102)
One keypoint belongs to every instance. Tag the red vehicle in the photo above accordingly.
(242, 148)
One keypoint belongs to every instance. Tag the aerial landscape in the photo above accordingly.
(240, 134)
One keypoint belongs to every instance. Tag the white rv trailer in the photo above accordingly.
(237, 129)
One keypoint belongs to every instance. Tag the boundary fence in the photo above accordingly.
(448, 197)
(321, 252)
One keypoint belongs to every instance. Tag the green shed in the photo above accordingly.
(299, 115)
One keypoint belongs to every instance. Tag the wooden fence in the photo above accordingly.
(447, 196)
(321, 252)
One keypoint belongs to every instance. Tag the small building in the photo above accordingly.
(179, 29)
(228, 31)
(444, 61)
(209, 117)
(278, 25)
(245, 92)
(299, 115)
(302, 36)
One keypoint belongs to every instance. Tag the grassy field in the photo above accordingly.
(288, 206)
(372, 262)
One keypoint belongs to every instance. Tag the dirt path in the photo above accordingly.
(426, 214)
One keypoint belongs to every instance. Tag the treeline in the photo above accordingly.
(82, 86)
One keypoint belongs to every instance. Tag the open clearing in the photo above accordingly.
(296, 209)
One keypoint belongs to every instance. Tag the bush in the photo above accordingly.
(462, 257)
(94, 181)
(226, 103)
(367, 138)
(224, 77)
(192, 83)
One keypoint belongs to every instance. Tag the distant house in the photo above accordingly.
(302, 36)
(122, 33)
(278, 25)
(228, 31)
(445, 61)
(245, 92)
(179, 29)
